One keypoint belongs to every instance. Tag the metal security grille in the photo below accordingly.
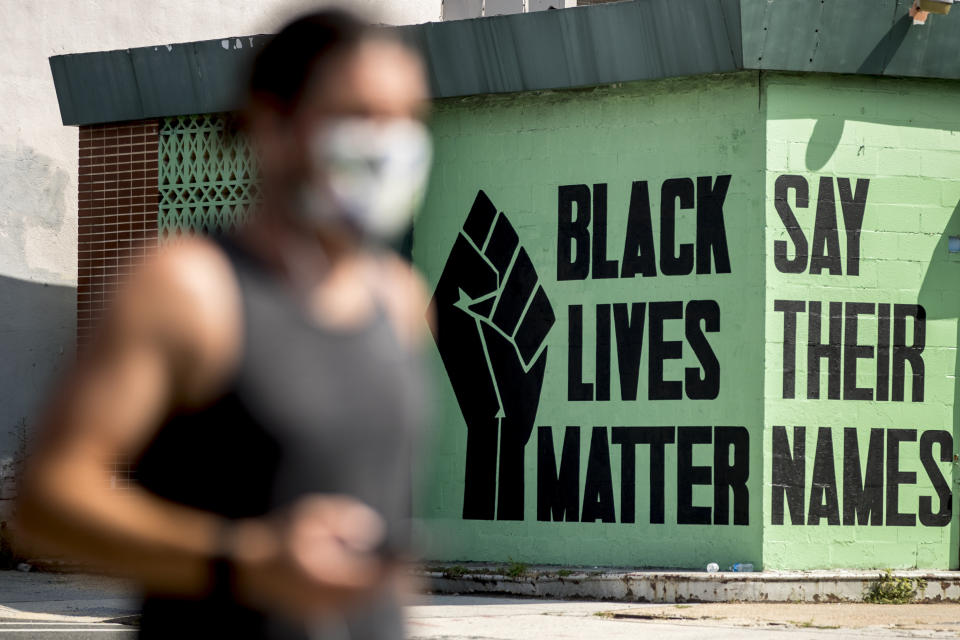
(207, 175)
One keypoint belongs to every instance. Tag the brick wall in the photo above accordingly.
(118, 203)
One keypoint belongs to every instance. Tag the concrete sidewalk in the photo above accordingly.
(99, 598)
(676, 586)
(943, 618)
(492, 618)
(60, 597)
(73, 600)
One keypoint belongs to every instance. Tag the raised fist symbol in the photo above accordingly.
(492, 320)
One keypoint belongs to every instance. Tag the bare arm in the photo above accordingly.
(154, 352)
(169, 341)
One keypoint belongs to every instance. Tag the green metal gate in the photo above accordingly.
(207, 175)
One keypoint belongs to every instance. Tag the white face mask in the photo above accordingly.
(371, 174)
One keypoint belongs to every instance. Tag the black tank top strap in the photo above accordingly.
(309, 411)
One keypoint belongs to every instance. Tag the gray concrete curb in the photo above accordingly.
(681, 586)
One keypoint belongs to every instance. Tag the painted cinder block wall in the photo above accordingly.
(640, 141)
(643, 141)
(884, 148)
(896, 140)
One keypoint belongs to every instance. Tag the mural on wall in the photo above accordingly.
(492, 321)
(751, 359)
(860, 408)
(596, 293)
(885, 365)
(492, 318)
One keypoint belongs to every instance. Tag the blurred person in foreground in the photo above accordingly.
(267, 386)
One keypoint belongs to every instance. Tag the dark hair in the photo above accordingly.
(284, 67)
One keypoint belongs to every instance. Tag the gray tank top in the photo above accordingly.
(309, 410)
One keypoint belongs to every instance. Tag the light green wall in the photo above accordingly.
(519, 149)
(902, 136)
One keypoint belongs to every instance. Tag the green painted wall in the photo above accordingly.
(886, 148)
(899, 135)
(520, 150)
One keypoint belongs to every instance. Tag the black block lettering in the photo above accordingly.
(598, 487)
(573, 234)
(829, 350)
(895, 478)
(790, 309)
(788, 474)
(912, 354)
(577, 389)
(824, 502)
(883, 352)
(853, 206)
(602, 267)
(628, 438)
(671, 264)
(825, 253)
(853, 351)
(862, 499)
(629, 331)
(638, 252)
(783, 263)
(711, 233)
(558, 494)
(944, 514)
(602, 360)
(706, 387)
(729, 477)
(689, 475)
(660, 350)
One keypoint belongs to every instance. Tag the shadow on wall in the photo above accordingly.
(37, 337)
(828, 130)
(940, 297)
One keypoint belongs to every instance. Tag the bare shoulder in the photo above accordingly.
(186, 297)
(406, 295)
(408, 279)
(189, 281)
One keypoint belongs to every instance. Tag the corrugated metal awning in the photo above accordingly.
(617, 42)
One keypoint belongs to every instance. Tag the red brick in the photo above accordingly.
(118, 204)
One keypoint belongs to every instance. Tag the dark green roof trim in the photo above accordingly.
(151, 82)
(592, 45)
(874, 37)
(619, 42)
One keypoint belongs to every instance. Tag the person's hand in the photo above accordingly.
(492, 320)
(319, 556)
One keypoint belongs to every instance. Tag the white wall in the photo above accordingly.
(38, 159)
(463, 9)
